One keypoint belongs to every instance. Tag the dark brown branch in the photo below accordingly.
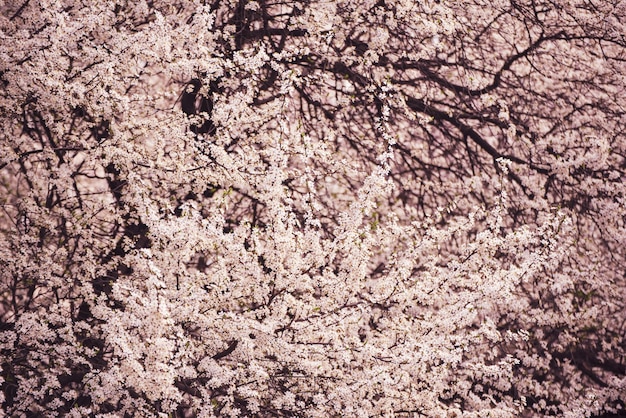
(231, 347)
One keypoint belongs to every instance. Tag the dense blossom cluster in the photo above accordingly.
(312, 208)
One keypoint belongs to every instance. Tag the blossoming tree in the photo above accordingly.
(312, 208)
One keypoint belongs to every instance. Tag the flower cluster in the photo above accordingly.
(312, 208)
